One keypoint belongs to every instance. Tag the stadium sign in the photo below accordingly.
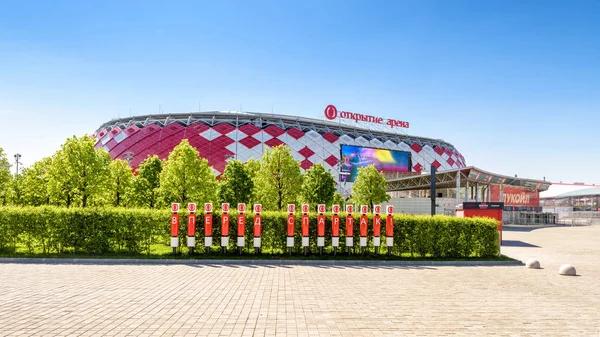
(512, 196)
(331, 113)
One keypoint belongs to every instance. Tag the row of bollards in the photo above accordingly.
(207, 222)
(565, 269)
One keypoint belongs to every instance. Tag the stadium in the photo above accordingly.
(340, 142)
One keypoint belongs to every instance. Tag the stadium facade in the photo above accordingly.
(223, 135)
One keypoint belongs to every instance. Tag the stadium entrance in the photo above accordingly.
(411, 194)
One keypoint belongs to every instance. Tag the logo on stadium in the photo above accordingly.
(331, 112)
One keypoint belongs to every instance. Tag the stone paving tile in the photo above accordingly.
(180, 300)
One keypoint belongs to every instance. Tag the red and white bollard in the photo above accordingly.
(241, 227)
(291, 220)
(321, 227)
(257, 227)
(363, 227)
(335, 228)
(305, 227)
(389, 228)
(376, 228)
(191, 227)
(349, 228)
(224, 227)
(208, 218)
(174, 227)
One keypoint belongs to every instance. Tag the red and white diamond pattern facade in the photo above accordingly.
(310, 142)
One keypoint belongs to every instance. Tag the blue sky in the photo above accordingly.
(514, 85)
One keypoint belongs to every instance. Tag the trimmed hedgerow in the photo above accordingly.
(83, 230)
(103, 230)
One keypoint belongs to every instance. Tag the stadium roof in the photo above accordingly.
(558, 188)
(470, 175)
(213, 118)
(578, 193)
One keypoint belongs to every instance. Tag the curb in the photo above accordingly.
(400, 263)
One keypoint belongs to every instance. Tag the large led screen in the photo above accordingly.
(353, 157)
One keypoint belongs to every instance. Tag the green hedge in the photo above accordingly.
(103, 230)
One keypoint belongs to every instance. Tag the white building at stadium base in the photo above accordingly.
(222, 135)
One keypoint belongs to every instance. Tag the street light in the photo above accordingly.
(17, 162)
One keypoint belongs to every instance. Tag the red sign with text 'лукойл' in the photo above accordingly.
(515, 196)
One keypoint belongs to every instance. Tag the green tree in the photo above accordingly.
(35, 183)
(252, 167)
(187, 178)
(60, 189)
(236, 185)
(338, 199)
(121, 181)
(318, 186)
(278, 180)
(5, 177)
(16, 190)
(369, 187)
(147, 182)
(79, 173)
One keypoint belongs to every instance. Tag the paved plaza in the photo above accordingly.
(202, 300)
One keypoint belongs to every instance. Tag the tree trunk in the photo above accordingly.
(279, 202)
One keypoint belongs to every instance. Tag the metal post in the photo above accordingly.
(477, 192)
(433, 170)
(457, 187)
(17, 162)
(467, 191)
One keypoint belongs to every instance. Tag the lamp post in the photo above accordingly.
(17, 162)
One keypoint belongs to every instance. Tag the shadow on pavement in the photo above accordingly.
(517, 243)
(525, 228)
(217, 264)
(328, 266)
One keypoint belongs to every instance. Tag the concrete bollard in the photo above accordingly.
(567, 270)
(532, 264)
